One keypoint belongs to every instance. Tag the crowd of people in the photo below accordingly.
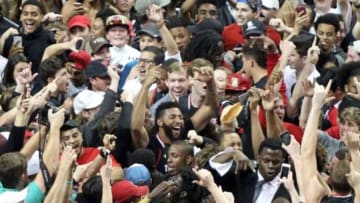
(246, 101)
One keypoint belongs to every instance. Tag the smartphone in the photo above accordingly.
(18, 40)
(285, 168)
(301, 9)
(80, 44)
(285, 138)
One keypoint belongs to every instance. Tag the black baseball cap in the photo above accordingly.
(96, 69)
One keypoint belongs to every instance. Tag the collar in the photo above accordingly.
(274, 182)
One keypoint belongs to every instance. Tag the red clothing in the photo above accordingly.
(334, 131)
(90, 153)
(233, 36)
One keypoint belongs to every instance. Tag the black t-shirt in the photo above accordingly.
(347, 199)
(160, 151)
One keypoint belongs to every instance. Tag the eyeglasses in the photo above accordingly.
(210, 12)
(145, 61)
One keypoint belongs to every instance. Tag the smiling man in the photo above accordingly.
(34, 38)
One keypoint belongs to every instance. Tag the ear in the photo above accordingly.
(346, 88)
(160, 123)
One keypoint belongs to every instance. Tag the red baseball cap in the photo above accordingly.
(80, 58)
(238, 82)
(124, 190)
(79, 20)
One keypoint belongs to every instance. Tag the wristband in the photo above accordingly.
(104, 153)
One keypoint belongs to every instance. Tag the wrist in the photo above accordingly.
(160, 24)
(104, 153)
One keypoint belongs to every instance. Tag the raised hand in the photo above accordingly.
(321, 95)
(351, 140)
(278, 24)
(56, 119)
(205, 178)
(308, 88)
(68, 157)
(268, 100)
(243, 163)
(113, 72)
(163, 189)
(109, 141)
(155, 13)
(153, 75)
(313, 52)
(268, 43)
(26, 77)
(293, 148)
(194, 138)
(51, 17)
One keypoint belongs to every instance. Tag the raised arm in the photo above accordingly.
(317, 189)
(60, 190)
(203, 115)
(155, 14)
(139, 134)
(257, 134)
(274, 126)
(57, 48)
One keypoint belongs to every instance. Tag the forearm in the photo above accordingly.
(106, 191)
(169, 42)
(187, 5)
(59, 190)
(296, 158)
(356, 30)
(138, 114)
(355, 156)
(211, 98)
(94, 166)
(357, 195)
(8, 117)
(308, 145)
(223, 158)
(305, 110)
(257, 134)
(51, 153)
(55, 49)
(32, 145)
(274, 125)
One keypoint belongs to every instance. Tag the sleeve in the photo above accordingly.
(177, 56)
(221, 168)
(35, 194)
(15, 141)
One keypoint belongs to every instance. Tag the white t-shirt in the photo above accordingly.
(123, 55)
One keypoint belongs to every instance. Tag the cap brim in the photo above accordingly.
(148, 32)
(79, 24)
(141, 191)
(254, 33)
(100, 46)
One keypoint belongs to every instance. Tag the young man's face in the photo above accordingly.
(198, 86)
(145, 61)
(266, 14)
(181, 36)
(295, 60)
(270, 163)
(73, 138)
(326, 34)
(30, 18)
(177, 83)
(77, 77)
(63, 80)
(279, 109)
(124, 5)
(78, 31)
(244, 13)
(347, 125)
(322, 4)
(206, 10)
(100, 83)
(352, 55)
(146, 40)
(118, 36)
(172, 122)
(177, 159)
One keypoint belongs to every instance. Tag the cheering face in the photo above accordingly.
(74, 139)
(118, 36)
(327, 36)
(172, 122)
(30, 18)
(145, 61)
(177, 83)
(206, 10)
(244, 13)
(181, 36)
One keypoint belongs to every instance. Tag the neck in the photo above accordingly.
(259, 74)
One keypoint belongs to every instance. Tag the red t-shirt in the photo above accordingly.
(233, 36)
(90, 153)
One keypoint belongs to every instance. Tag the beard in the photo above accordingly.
(169, 133)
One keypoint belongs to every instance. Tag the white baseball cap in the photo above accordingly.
(274, 4)
(87, 99)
